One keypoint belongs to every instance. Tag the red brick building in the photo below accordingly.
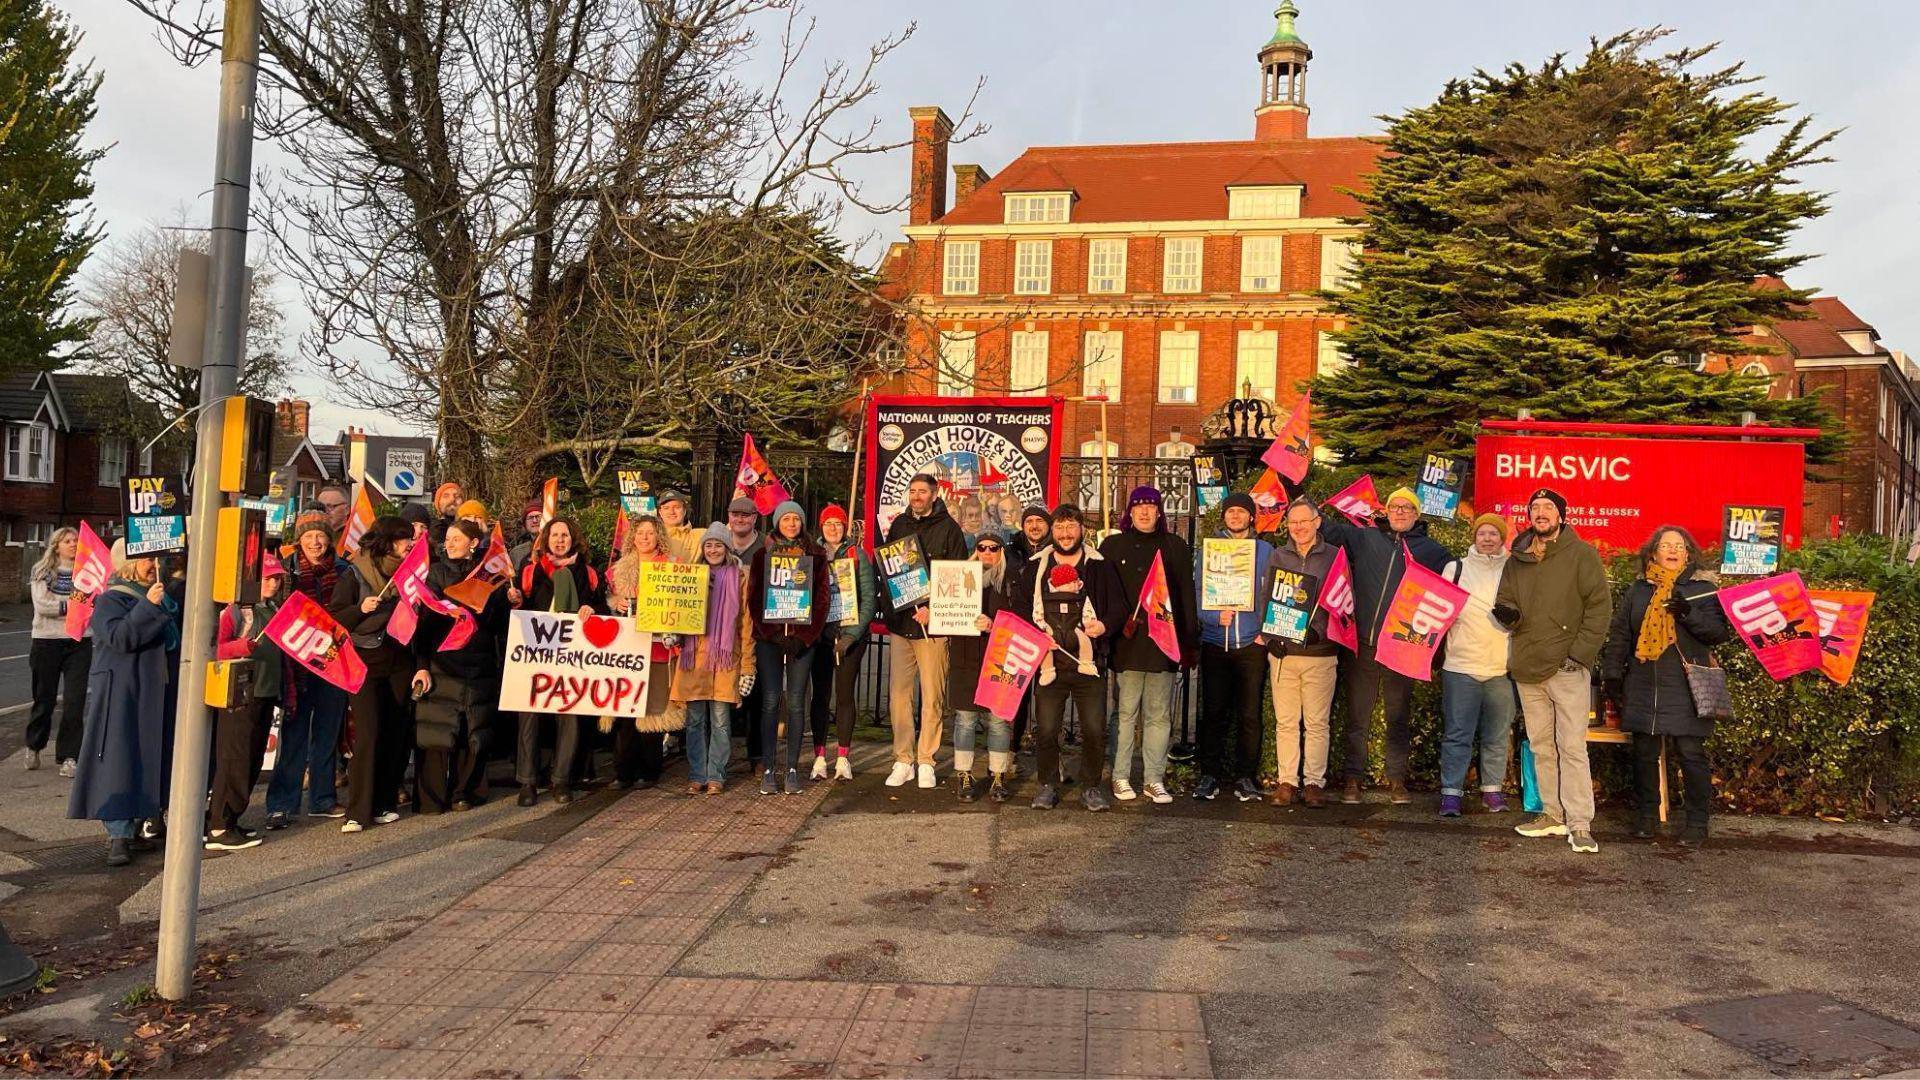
(1168, 276)
(69, 440)
(1875, 393)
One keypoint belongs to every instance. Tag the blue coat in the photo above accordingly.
(123, 753)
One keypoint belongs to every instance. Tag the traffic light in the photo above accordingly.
(239, 555)
(246, 445)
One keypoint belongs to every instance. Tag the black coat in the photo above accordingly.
(1131, 552)
(965, 655)
(1373, 551)
(940, 538)
(480, 659)
(1654, 696)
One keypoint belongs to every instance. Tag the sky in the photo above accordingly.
(1114, 71)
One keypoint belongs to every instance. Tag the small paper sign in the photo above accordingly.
(956, 598)
(1441, 480)
(1751, 540)
(1290, 604)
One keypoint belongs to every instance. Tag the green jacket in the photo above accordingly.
(1564, 603)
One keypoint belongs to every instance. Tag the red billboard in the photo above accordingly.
(1619, 489)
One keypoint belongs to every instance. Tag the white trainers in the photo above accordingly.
(386, 817)
(1122, 790)
(350, 826)
(69, 768)
(1159, 793)
(843, 769)
(819, 767)
(926, 776)
(902, 772)
(33, 760)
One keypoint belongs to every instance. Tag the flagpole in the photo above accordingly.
(1106, 509)
(859, 442)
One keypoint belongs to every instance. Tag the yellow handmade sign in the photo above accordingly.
(670, 598)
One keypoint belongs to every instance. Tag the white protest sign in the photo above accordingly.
(956, 598)
(559, 663)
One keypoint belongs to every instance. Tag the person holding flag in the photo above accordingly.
(363, 601)
(1379, 554)
(558, 575)
(965, 657)
(1477, 697)
(1555, 598)
(460, 684)
(240, 733)
(1233, 664)
(57, 659)
(310, 728)
(1303, 670)
(1075, 595)
(1668, 619)
(1143, 666)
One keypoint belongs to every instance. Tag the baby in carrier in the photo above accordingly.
(1064, 610)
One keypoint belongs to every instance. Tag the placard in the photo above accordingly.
(636, 494)
(1441, 481)
(789, 592)
(670, 598)
(155, 510)
(1227, 571)
(846, 591)
(560, 663)
(956, 598)
(1290, 604)
(903, 567)
(1751, 535)
(1209, 483)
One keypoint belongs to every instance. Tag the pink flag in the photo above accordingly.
(1843, 628)
(1015, 648)
(409, 580)
(1357, 501)
(1292, 449)
(1336, 599)
(92, 569)
(1422, 609)
(1156, 601)
(1775, 617)
(755, 479)
(304, 631)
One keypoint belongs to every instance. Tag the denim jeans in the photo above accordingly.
(967, 724)
(309, 746)
(709, 742)
(122, 828)
(781, 676)
(1146, 712)
(1479, 712)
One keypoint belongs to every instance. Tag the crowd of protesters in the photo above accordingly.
(1538, 634)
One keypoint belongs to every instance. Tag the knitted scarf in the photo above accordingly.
(316, 580)
(723, 622)
(1656, 628)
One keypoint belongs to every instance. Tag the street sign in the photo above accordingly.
(406, 471)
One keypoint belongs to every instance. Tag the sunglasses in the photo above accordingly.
(987, 547)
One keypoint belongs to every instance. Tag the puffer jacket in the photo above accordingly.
(1377, 555)
(1564, 603)
(1476, 644)
(1653, 694)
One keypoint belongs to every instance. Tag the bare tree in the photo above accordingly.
(464, 168)
(129, 290)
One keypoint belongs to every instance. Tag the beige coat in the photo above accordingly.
(661, 715)
(683, 542)
(699, 684)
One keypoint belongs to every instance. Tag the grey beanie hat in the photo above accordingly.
(785, 508)
(717, 531)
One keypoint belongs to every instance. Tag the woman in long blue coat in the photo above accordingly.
(122, 779)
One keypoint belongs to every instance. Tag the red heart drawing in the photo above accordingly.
(600, 630)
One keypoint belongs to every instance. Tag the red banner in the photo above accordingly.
(92, 569)
(1015, 648)
(1774, 616)
(1292, 449)
(1619, 490)
(755, 479)
(304, 631)
(1843, 628)
(1422, 609)
(1336, 599)
(1357, 502)
(991, 456)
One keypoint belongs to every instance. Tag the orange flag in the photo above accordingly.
(549, 500)
(1292, 449)
(494, 569)
(1270, 502)
(358, 522)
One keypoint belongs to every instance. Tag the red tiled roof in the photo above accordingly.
(1812, 337)
(1836, 314)
(1176, 181)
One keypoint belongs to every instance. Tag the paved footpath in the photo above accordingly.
(565, 966)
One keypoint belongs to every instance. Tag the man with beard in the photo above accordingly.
(446, 509)
(1554, 597)
(915, 659)
(1144, 672)
(1035, 526)
(1074, 594)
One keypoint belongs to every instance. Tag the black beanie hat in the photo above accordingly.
(1240, 499)
(1035, 512)
(1552, 496)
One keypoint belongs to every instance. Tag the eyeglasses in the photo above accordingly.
(325, 505)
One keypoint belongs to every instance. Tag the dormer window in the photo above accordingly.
(1263, 202)
(1038, 207)
(1860, 341)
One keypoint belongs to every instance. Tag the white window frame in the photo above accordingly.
(1327, 357)
(1260, 263)
(1032, 267)
(1257, 353)
(961, 268)
(20, 453)
(1263, 202)
(957, 360)
(1102, 355)
(117, 459)
(29, 533)
(1178, 251)
(1038, 207)
(1757, 368)
(1028, 374)
(1107, 265)
(1090, 448)
(1339, 254)
(1179, 377)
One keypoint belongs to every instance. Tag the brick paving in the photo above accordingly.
(563, 967)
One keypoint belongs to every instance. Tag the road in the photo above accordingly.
(16, 685)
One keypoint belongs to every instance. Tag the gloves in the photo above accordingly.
(746, 685)
(1678, 606)
(1570, 665)
(1508, 615)
(1131, 628)
(1616, 691)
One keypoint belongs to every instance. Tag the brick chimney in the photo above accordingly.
(967, 180)
(291, 415)
(931, 130)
